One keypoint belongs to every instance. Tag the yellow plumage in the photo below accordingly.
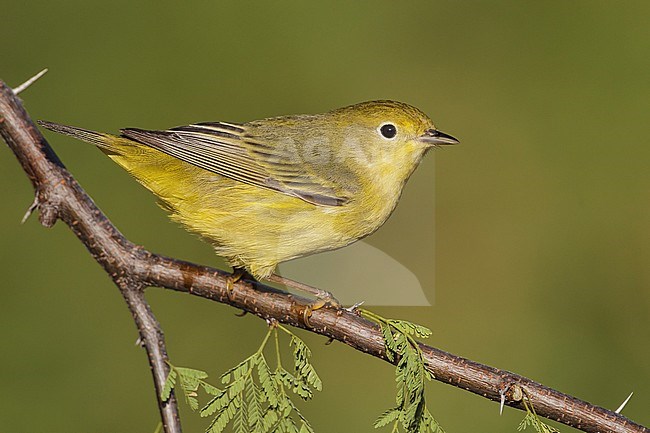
(268, 191)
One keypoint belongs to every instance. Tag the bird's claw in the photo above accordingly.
(324, 299)
(310, 308)
(231, 280)
(230, 287)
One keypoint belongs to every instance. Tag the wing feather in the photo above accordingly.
(224, 149)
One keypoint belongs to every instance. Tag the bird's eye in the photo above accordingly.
(388, 130)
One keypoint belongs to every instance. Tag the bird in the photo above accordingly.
(267, 191)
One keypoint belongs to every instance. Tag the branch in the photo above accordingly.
(59, 196)
(132, 268)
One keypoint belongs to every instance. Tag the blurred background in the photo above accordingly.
(531, 238)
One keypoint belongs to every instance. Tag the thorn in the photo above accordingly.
(353, 308)
(503, 401)
(29, 82)
(242, 313)
(620, 408)
(139, 341)
(32, 207)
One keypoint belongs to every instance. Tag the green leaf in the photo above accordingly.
(236, 388)
(240, 421)
(209, 389)
(170, 382)
(401, 343)
(192, 401)
(240, 369)
(301, 353)
(429, 424)
(269, 419)
(220, 422)
(410, 375)
(288, 425)
(300, 415)
(303, 368)
(531, 419)
(255, 399)
(525, 422)
(295, 385)
(188, 379)
(389, 341)
(190, 373)
(267, 383)
(410, 328)
(217, 403)
(252, 398)
(387, 417)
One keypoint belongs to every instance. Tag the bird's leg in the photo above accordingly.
(323, 297)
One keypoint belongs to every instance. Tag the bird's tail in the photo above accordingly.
(107, 142)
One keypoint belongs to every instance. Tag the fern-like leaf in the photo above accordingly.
(252, 399)
(410, 413)
(217, 403)
(302, 365)
(295, 385)
(531, 419)
(410, 328)
(269, 419)
(255, 399)
(387, 417)
(188, 379)
(240, 420)
(269, 388)
(220, 422)
(170, 382)
(209, 389)
(238, 370)
(389, 341)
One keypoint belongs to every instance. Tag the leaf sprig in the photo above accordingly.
(189, 380)
(410, 412)
(255, 398)
(533, 420)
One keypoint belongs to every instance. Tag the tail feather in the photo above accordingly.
(106, 142)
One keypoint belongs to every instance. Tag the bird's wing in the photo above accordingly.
(226, 149)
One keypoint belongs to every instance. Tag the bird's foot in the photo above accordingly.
(323, 299)
(237, 274)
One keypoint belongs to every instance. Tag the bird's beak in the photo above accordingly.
(434, 137)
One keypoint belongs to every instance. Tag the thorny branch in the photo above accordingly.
(133, 269)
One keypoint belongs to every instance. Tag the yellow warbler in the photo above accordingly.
(271, 190)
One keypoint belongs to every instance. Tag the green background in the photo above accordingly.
(539, 255)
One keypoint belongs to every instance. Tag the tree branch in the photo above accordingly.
(132, 268)
(59, 196)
